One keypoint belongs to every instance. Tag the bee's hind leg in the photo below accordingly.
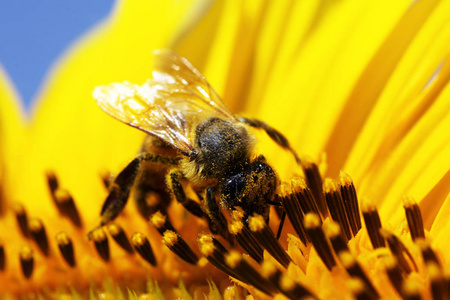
(177, 189)
(119, 189)
(218, 223)
(274, 134)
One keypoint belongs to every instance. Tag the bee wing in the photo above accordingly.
(169, 106)
(173, 68)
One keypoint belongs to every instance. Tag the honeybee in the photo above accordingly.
(202, 142)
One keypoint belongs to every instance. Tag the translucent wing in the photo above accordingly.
(168, 106)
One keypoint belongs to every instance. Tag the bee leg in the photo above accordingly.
(217, 222)
(119, 189)
(281, 212)
(274, 134)
(189, 204)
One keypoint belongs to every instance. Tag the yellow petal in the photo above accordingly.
(371, 83)
(12, 141)
(310, 92)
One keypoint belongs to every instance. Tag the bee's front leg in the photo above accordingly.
(119, 189)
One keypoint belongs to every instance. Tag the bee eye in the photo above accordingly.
(233, 188)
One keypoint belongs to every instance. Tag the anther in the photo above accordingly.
(179, 246)
(2, 257)
(355, 271)
(120, 237)
(318, 239)
(267, 239)
(234, 261)
(394, 273)
(304, 196)
(359, 289)
(429, 256)
(245, 238)
(26, 261)
(414, 218)
(292, 206)
(65, 246)
(215, 253)
(52, 182)
(437, 281)
(336, 206)
(21, 218)
(66, 206)
(283, 282)
(101, 243)
(399, 250)
(142, 246)
(348, 193)
(411, 290)
(373, 224)
(334, 234)
(39, 235)
(161, 222)
(314, 182)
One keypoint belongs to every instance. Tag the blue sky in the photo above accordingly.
(33, 34)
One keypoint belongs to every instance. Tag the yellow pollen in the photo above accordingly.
(98, 235)
(26, 253)
(62, 238)
(411, 287)
(311, 220)
(286, 283)
(355, 285)
(298, 184)
(284, 189)
(256, 222)
(202, 262)
(206, 245)
(433, 270)
(268, 268)
(385, 233)
(235, 226)
(422, 244)
(18, 208)
(367, 205)
(62, 195)
(329, 186)
(35, 225)
(390, 262)
(170, 238)
(237, 213)
(138, 239)
(204, 238)
(345, 179)
(113, 229)
(408, 201)
(158, 219)
(332, 229)
(347, 259)
(233, 258)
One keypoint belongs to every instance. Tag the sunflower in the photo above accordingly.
(359, 88)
